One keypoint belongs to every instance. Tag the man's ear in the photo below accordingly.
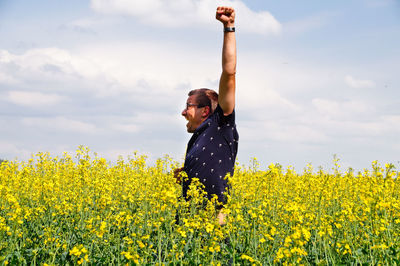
(206, 111)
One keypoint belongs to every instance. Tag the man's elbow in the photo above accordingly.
(229, 72)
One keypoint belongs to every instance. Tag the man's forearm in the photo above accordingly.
(229, 52)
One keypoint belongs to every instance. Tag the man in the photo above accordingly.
(212, 149)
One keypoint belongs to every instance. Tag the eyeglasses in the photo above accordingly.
(192, 104)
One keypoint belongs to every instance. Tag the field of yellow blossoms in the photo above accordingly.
(80, 209)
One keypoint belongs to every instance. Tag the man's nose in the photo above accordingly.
(183, 112)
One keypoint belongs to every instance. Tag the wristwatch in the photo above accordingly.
(229, 29)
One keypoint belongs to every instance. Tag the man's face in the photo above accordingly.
(193, 114)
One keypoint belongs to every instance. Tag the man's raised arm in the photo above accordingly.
(227, 85)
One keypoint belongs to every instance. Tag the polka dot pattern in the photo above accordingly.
(211, 153)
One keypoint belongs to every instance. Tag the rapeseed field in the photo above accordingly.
(83, 210)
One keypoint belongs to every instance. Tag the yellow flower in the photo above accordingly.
(75, 251)
(209, 228)
(246, 257)
(140, 243)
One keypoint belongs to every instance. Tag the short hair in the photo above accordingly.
(205, 97)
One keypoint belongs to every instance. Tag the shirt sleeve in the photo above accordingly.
(224, 119)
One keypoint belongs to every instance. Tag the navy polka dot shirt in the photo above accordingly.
(211, 154)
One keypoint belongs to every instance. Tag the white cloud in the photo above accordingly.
(147, 67)
(130, 128)
(340, 109)
(392, 123)
(57, 70)
(259, 97)
(358, 83)
(350, 129)
(188, 13)
(144, 73)
(6, 147)
(33, 99)
(46, 66)
(51, 60)
(107, 69)
(7, 79)
(5, 56)
(281, 130)
(60, 124)
(11, 151)
(297, 133)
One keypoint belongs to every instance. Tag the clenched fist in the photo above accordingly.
(226, 15)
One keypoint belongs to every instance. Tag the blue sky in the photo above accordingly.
(314, 78)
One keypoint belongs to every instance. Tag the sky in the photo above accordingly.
(315, 79)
